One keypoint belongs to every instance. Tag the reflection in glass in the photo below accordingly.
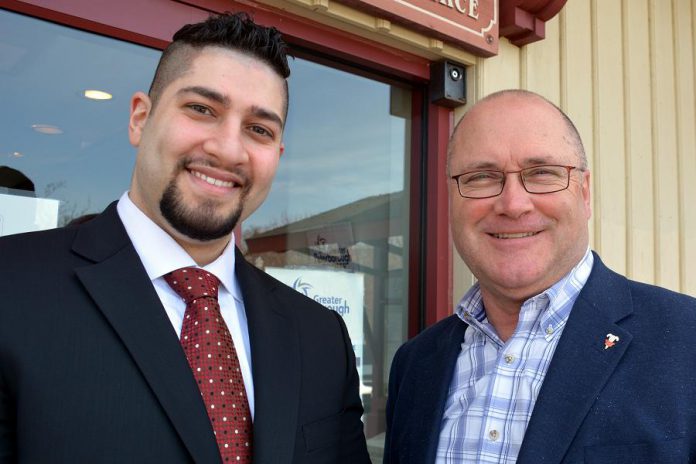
(74, 150)
(335, 225)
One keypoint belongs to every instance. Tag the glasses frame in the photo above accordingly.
(519, 172)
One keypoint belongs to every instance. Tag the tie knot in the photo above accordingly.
(191, 283)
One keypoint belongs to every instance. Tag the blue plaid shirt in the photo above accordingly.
(495, 384)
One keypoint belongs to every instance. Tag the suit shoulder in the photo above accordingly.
(667, 305)
(650, 302)
(643, 291)
(27, 248)
(38, 237)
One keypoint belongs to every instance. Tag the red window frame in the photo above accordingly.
(152, 23)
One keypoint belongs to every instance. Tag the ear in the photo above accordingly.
(586, 193)
(281, 150)
(140, 107)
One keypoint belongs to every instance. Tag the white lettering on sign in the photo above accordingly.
(461, 6)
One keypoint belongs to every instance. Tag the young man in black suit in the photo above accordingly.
(100, 359)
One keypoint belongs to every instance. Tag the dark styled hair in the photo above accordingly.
(233, 31)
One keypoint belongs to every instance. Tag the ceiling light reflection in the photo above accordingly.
(97, 95)
(47, 129)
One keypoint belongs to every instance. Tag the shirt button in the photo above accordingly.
(549, 330)
(509, 358)
(493, 435)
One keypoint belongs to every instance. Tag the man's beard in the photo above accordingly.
(200, 222)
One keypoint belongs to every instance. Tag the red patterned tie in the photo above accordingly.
(213, 359)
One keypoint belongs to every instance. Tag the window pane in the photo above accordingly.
(335, 225)
(56, 144)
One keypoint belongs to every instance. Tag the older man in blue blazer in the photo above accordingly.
(550, 357)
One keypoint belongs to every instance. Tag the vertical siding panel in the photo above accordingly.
(686, 142)
(575, 25)
(609, 150)
(664, 145)
(638, 137)
(499, 72)
(543, 64)
(524, 52)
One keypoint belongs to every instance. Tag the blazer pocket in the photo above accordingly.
(666, 452)
(322, 433)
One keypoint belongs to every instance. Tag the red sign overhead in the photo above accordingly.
(472, 24)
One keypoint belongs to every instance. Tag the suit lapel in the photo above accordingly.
(430, 386)
(580, 368)
(120, 287)
(275, 364)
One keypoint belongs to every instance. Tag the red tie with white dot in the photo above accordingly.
(211, 354)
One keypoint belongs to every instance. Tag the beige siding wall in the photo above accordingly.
(624, 72)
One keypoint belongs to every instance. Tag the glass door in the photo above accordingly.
(335, 225)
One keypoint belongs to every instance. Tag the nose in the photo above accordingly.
(514, 201)
(225, 142)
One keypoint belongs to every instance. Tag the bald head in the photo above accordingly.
(516, 97)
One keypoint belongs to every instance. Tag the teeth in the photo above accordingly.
(520, 235)
(213, 181)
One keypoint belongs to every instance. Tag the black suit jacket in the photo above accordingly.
(633, 403)
(91, 369)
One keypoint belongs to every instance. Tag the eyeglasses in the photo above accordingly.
(535, 179)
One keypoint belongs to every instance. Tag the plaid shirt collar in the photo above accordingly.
(553, 312)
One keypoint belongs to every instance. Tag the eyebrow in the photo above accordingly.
(539, 160)
(268, 115)
(527, 162)
(206, 92)
(224, 100)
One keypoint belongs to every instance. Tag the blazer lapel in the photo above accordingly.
(119, 285)
(429, 390)
(275, 364)
(580, 368)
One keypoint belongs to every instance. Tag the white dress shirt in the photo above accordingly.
(160, 254)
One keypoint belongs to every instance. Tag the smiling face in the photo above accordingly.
(518, 244)
(208, 151)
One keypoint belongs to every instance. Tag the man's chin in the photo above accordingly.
(204, 230)
(201, 228)
(198, 221)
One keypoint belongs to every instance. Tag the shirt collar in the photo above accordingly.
(160, 254)
(559, 298)
(562, 295)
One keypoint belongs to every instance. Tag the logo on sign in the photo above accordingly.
(302, 287)
(332, 302)
(341, 259)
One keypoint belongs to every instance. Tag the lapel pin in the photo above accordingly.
(610, 341)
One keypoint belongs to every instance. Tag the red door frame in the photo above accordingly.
(152, 23)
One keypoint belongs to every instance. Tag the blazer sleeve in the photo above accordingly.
(353, 446)
(391, 398)
(7, 426)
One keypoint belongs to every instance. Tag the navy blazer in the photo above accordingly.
(632, 403)
(92, 371)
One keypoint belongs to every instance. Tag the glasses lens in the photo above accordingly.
(545, 179)
(481, 184)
